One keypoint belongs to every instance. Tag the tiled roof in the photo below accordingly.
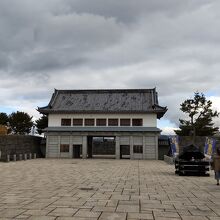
(104, 101)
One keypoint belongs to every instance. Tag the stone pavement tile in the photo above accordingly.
(10, 213)
(36, 212)
(185, 207)
(213, 218)
(70, 199)
(203, 207)
(5, 218)
(48, 208)
(112, 203)
(87, 214)
(143, 201)
(120, 197)
(200, 201)
(202, 212)
(128, 202)
(156, 206)
(159, 197)
(75, 218)
(142, 197)
(35, 205)
(216, 211)
(166, 218)
(91, 203)
(22, 216)
(68, 203)
(27, 201)
(40, 217)
(166, 214)
(194, 218)
(103, 209)
(63, 212)
(173, 202)
(140, 216)
(84, 208)
(182, 199)
(101, 196)
(127, 208)
(183, 212)
(215, 200)
(88, 206)
(47, 200)
(112, 216)
(11, 206)
(83, 194)
(130, 192)
(12, 199)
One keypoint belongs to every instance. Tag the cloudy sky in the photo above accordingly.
(78, 44)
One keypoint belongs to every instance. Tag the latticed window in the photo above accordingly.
(137, 122)
(138, 149)
(100, 122)
(65, 122)
(89, 121)
(112, 122)
(125, 122)
(77, 122)
(64, 148)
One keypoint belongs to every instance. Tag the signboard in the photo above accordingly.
(210, 145)
(174, 142)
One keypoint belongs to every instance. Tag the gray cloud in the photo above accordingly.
(130, 11)
(74, 44)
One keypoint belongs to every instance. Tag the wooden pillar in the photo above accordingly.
(71, 147)
(84, 147)
(58, 146)
(131, 148)
(156, 146)
(144, 148)
(117, 148)
(47, 146)
(89, 144)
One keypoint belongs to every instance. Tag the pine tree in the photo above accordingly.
(42, 123)
(20, 122)
(200, 115)
(3, 118)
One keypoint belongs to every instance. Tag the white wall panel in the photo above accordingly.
(149, 120)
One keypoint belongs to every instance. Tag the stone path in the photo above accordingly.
(67, 189)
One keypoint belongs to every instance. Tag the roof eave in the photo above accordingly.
(52, 111)
(161, 113)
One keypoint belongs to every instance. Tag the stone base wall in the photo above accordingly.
(19, 144)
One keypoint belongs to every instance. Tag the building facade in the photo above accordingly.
(119, 123)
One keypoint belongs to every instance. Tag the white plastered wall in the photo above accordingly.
(149, 120)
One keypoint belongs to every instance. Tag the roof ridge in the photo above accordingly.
(103, 90)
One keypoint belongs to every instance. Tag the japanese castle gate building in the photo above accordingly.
(119, 123)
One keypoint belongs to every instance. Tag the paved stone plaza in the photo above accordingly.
(65, 189)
